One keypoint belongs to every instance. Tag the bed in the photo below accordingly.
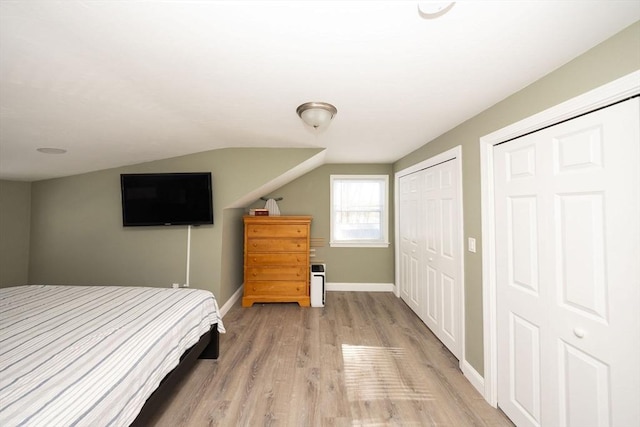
(93, 355)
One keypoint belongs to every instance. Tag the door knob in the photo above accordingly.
(430, 259)
(578, 332)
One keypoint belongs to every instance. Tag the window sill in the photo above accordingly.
(359, 245)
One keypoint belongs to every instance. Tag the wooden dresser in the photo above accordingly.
(276, 259)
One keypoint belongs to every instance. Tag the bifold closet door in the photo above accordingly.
(441, 257)
(567, 203)
(430, 251)
(409, 245)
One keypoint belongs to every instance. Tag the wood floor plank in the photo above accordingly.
(363, 360)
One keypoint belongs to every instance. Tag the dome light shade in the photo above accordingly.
(316, 114)
(434, 9)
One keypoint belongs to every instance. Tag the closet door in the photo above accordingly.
(430, 251)
(568, 244)
(441, 255)
(409, 246)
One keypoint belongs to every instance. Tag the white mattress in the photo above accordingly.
(92, 355)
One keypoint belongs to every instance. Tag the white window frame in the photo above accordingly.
(384, 241)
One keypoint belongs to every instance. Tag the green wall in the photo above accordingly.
(614, 58)
(15, 215)
(77, 235)
(310, 195)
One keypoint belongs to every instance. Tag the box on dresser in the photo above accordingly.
(259, 212)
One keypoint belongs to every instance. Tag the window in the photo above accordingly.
(359, 210)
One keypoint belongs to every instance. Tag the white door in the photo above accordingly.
(567, 214)
(441, 255)
(430, 254)
(409, 255)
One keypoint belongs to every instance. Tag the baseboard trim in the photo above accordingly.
(472, 376)
(345, 287)
(361, 287)
(235, 297)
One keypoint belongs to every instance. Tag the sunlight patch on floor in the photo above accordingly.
(373, 373)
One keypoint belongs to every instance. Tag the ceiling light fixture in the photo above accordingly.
(434, 9)
(316, 114)
(50, 150)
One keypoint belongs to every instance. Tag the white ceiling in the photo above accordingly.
(123, 82)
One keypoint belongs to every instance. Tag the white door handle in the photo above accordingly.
(578, 332)
(430, 259)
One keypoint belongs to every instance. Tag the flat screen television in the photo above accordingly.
(166, 199)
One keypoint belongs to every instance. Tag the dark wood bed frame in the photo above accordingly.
(207, 348)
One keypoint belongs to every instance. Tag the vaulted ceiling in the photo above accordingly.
(122, 82)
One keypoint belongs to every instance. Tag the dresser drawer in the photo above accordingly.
(282, 273)
(259, 288)
(277, 230)
(260, 259)
(277, 245)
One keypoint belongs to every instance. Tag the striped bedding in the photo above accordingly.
(92, 355)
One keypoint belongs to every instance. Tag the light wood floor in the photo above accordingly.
(363, 360)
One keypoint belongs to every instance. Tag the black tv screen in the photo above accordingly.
(166, 199)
